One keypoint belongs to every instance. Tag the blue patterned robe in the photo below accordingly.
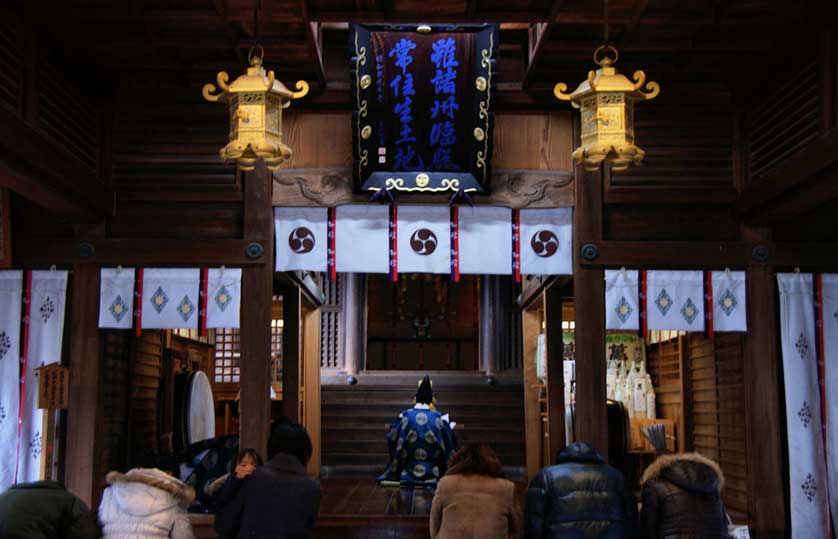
(419, 443)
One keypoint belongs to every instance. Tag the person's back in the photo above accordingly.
(44, 510)
(579, 497)
(144, 503)
(682, 498)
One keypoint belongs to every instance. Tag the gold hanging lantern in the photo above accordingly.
(606, 100)
(256, 101)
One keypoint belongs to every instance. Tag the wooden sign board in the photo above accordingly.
(53, 387)
(5, 230)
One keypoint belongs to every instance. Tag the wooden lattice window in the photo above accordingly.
(276, 354)
(227, 354)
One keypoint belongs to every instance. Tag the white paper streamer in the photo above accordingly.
(622, 307)
(224, 297)
(675, 300)
(729, 301)
(46, 331)
(116, 298)
(485, 240)
(547, 241)
(424, 239)
(362, 238)
(807, 470)
(11, 291)
(830, 343)
(301, 238)
(170, 298)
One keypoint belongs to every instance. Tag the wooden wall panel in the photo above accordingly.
(695, 222)
(146, 375)
(179, 220)
(539, 141)
(116, 377)
(318, 140)
(663, 363)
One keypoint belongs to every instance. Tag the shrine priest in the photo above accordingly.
(419, 442)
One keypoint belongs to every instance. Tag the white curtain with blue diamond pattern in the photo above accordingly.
(116, 298)
(11, 291)
(170, 298)
(675, 300)
(807, 469)
(830, 338)
(224, 297)
(729, 301)
(622, 307)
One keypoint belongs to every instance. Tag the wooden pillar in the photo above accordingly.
(291, 352)
(589, 305)
(531, 327)
(311, 385)
(764, 405)
(488, 324)
(555, 371)
(85, 415)
(257, 287)
(353, 331)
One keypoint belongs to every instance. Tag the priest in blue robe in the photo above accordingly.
(420, 442)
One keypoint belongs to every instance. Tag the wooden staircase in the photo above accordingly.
(354, 419)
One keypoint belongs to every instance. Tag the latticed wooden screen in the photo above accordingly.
(227, 354)
(330, 330)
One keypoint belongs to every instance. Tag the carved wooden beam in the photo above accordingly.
(512, 188)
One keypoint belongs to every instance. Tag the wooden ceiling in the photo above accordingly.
(181, 43)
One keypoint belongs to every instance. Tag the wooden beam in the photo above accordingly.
(764, 405)
(310, 372)
(257, 286)
(791, 173)
(555, 371)
(315, 42)
(141, 252)
(531, 319)
(292, 349)
(637, 13)
(542, 36)
(85, 416)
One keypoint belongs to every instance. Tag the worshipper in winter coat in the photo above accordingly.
(420, 442)
(277, 500)
(579, 497)
(145, 503)
(45, 510)
(682, 498)
(474, 500)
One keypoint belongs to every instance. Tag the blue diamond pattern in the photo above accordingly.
(805, 414)
(159, 300)
(223, 298)
(728, 302)
(802, 346)
(5, 344)
(809, 487)
(623, 310)
(118, 309)
(664, 302)
(185, 308)
(689, 311)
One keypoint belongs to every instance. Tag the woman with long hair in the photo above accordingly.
(474, 499)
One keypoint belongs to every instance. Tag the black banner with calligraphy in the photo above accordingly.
(423, 96)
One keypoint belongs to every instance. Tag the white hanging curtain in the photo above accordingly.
(170, 298)
(729, 301)
(116, 298)
(830, 342)
(547, 241)
(424, 239)
(362, 238)
(224, 297)
(47, 306)
(301, 238)
(675, 300)
(622, 307)
(807, 469)
(11, 291)
(485, 240)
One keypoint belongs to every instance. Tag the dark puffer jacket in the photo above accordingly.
(682, 498)
(45, 510)
(579, 497)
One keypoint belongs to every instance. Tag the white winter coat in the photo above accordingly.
(145, 503)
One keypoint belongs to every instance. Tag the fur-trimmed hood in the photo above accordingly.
(690, 471)
(131, 490)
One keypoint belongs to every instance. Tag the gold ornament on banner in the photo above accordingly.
(255, 100)
(606, 100)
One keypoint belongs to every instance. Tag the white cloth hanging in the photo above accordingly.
(11, 292)
(362, 238)
(170, 298)
(807, 469)
(224, 297)
(424, 239)
(830, 344)
(301, 238)
(622, 306)
(675, 300)
(485, 240)
(47, 307)
(116, 298)
(729, 301)
(547, 241)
